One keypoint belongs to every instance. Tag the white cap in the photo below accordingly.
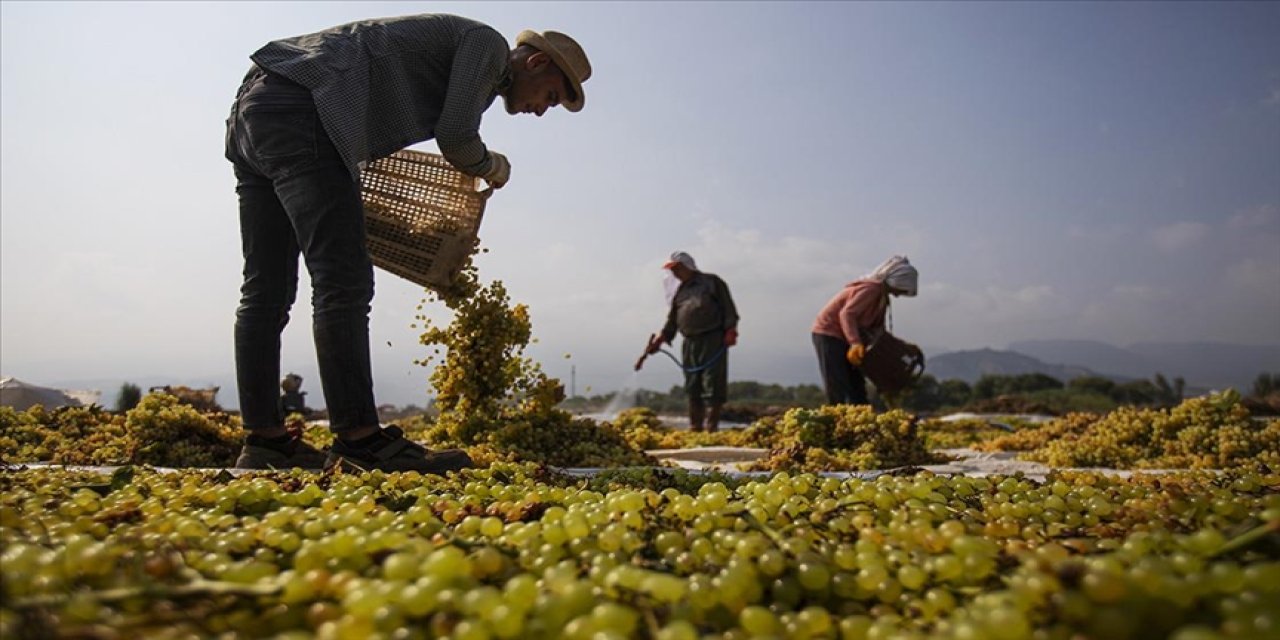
(683, 258)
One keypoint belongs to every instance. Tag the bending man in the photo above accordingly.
(310, 112)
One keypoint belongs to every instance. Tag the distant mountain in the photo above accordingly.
(1091, 354)
(971, 365)
(1214, 365)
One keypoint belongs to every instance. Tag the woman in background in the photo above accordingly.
(851, 321)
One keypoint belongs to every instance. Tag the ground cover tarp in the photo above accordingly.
(966, 462)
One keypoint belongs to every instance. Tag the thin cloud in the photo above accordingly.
(991, 302)
(1272, 100)
(1179, 235)
(1142, 292)
(1255, 277)
(1261, 216)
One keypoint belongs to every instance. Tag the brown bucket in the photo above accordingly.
(892, 365)
(421, 215)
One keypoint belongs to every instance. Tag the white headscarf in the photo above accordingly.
(897, 273)
(670, 284)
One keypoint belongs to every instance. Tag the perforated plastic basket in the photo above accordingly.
(422, 216)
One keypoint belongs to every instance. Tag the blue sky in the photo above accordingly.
(1104, 171)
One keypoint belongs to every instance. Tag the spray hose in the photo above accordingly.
(701, 367)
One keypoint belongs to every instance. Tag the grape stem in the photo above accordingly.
(765, 529)
(198, 588)
(1247, 538)
(651, 622)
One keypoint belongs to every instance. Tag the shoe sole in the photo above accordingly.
(347, 466)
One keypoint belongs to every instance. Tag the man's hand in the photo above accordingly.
(855, 354)
(655, 343)
(499, 170)
(730, 337)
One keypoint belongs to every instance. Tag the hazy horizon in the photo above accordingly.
(414, 389)
(1106, 172)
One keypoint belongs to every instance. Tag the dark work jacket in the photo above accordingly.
(701, 304)
(382, 85)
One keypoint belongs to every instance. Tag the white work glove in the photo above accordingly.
(499, 170)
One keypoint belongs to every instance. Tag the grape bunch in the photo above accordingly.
(498, 403)
(644, 431)
(560, 439)
(1210, 432)
(840, 438)
(66, 435)
(958, 433)
(159, 431)
(483, 371)
(1035, 437)
(520, 551)
(167, 433)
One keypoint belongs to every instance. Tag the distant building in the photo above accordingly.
(24, 395)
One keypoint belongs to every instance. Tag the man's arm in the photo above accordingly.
(668, 332)
(479, 62)
(730, 310)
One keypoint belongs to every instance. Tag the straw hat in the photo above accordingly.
(567, 54)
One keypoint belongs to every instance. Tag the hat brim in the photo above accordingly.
(535, 40)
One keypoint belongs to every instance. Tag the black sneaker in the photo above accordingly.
(296, 453)
(394, 452)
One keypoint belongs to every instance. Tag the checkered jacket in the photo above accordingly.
(382, 85)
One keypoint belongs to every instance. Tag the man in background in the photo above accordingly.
(703, 312)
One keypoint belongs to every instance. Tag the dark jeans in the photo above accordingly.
(297, 197)
(842, 381)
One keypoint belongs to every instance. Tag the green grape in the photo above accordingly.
(759, 621)
(813, 576)
(677, 630)
(385, 554)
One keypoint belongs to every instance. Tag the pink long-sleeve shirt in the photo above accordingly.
(855, 310)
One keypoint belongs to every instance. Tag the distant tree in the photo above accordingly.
(991, 386)
(1265, 384)
(129, 396)
(672, 400)
(1165, 391)
(924, 396)
(1029, 382)
(742, 389)
(808, 395)
(740, 392)
(1094, 384)
(987, 387)
(1169, 394)
(1137, 392)
(954, 392)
